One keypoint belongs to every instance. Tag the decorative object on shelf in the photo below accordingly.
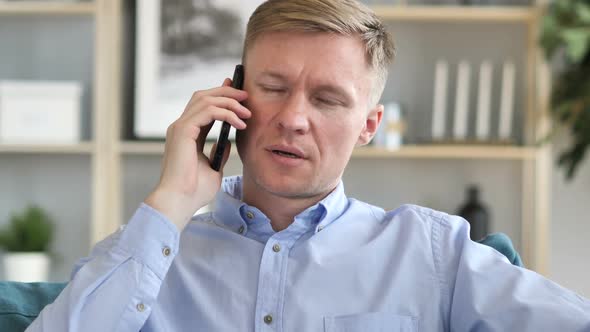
(565, 36)
(441, 79)
(391, 130)
(462, 111)
(26, 241)
(474, 211)
(507, 101)
(183, 46)
(484, 96)
(45, 112)
(462, 101)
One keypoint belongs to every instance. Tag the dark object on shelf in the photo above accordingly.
(475, 213)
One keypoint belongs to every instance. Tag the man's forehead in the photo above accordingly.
(278, 54)
(330, 45)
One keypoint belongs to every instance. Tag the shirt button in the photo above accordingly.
(166, 251)
(140, 307)
(276, 247)
(250, 215)
(268, 319)
(241, 230)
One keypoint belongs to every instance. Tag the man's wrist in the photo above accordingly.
(172, 207)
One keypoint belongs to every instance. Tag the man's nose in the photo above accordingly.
(294, 117)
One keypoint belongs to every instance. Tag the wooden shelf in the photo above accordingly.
(81, 148)
(141, 148)
(47, 7)
(154, 148)
(408, 151)
(456, 14)
(449, 152)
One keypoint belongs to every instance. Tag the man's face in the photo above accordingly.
(308, 93)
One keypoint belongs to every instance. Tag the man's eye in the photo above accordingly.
(272, 89)
(327, 101)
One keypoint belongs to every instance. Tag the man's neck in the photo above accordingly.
(279, 209)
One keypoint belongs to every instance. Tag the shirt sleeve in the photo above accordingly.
(115, 287)
(489, 294)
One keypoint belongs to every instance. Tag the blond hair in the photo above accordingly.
(345, 17)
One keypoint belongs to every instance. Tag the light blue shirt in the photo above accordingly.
(342, 265)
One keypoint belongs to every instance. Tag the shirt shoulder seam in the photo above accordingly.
(370, 207)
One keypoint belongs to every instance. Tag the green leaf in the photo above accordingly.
(566, 26)
(576, 42)
(550, 35)
(583, 11)
(563, 7)
(30, 231)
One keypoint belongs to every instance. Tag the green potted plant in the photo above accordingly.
(26, 241)
(565, 37)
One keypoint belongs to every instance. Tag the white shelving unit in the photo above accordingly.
(107, 149)
(456, 13)
(47, 8)
(82, 148)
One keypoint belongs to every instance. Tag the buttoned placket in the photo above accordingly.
(271, 285)
(252, 223)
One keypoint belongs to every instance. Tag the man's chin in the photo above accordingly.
(285, 186)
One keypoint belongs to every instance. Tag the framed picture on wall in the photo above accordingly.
(183, 46)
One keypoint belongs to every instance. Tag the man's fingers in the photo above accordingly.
(228, 103)
(223, 97)
(205, 119)
(203, 136)
(208, 106)
(223, 91)
(217, 113)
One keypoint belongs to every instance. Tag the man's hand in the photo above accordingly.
(187, 181)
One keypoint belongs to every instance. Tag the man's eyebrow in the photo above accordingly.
(273, 75)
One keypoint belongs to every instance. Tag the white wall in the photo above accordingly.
(570, 227)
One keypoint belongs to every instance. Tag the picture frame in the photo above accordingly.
(183, 46)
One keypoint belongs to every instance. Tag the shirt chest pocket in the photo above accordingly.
(371, 322)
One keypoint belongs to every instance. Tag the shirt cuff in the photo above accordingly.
(150, 238)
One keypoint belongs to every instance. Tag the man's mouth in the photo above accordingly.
(285, 154)
(286, 151)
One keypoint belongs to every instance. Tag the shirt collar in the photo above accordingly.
(232, 213)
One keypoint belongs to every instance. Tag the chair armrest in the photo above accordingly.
(21, 303)
(501, 242)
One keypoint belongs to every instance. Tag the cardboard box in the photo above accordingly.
(40, 112)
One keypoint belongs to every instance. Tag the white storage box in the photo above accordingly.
(40, 112)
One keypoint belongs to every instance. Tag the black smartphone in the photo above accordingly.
(237, 83)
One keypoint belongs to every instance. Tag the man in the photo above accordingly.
(285, 249)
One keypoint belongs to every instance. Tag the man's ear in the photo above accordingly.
(372, 122)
